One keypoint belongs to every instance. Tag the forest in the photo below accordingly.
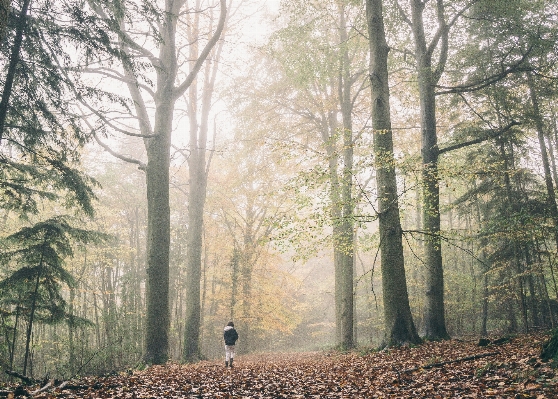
(331, 175)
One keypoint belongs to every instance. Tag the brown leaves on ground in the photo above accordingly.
(511, 370)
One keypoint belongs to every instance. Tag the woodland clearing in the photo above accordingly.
(445, 369)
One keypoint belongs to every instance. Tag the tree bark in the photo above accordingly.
(399, 326)
(4, 15)
(435, 325)
(198, 166)
(345, 283)
(550, 194)
(14, 60)
(158, 225)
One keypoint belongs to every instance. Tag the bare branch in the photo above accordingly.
(141, 165)
(404, 16)
(123, 36)
(112, 74)
(205, 52)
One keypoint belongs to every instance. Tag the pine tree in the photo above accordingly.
(35, 259)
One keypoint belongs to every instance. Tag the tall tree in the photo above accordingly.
(14, 61)
(327, 84)
(40, 137)
(200, 102)
(344, 268)
(154, 128)
(399, 326)
(427, 76)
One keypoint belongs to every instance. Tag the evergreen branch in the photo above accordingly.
(475, 86)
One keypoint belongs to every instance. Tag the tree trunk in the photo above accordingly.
(550, 194)
(328, 136)
(248, 259)
(72, 333)
(435, 324)
(513, 207)
(158, 229)
(480, 217)
(194, 243)
(399, 326)
(31, 318)
(12, 345)
(14, 60)
(345, 284)
(198, 166)
(4, 15)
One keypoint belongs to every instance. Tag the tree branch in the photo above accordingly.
(475, 86)
(180, 90)
(402, 14)
(487, 136)
(141, 165)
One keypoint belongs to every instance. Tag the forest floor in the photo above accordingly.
(447, 369)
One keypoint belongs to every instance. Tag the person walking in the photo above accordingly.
(230, 336)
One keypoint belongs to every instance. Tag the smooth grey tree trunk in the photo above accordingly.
(435, 325)
(344, 282)
(158, 240)
(198, 166)
(399, 326)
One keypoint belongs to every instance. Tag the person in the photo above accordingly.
(230, 336)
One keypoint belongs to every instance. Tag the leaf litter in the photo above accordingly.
(445, 369)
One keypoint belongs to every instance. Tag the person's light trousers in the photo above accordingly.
(229, 352)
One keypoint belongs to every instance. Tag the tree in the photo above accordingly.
(322, 89)
(39, 133)
(155, 130)
(399, 326)
(199, 107)
(515, 41)
(34, 287)
(429, 72)
(13, 63)
(428, 76)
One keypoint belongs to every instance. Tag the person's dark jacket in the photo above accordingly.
(230, 335)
